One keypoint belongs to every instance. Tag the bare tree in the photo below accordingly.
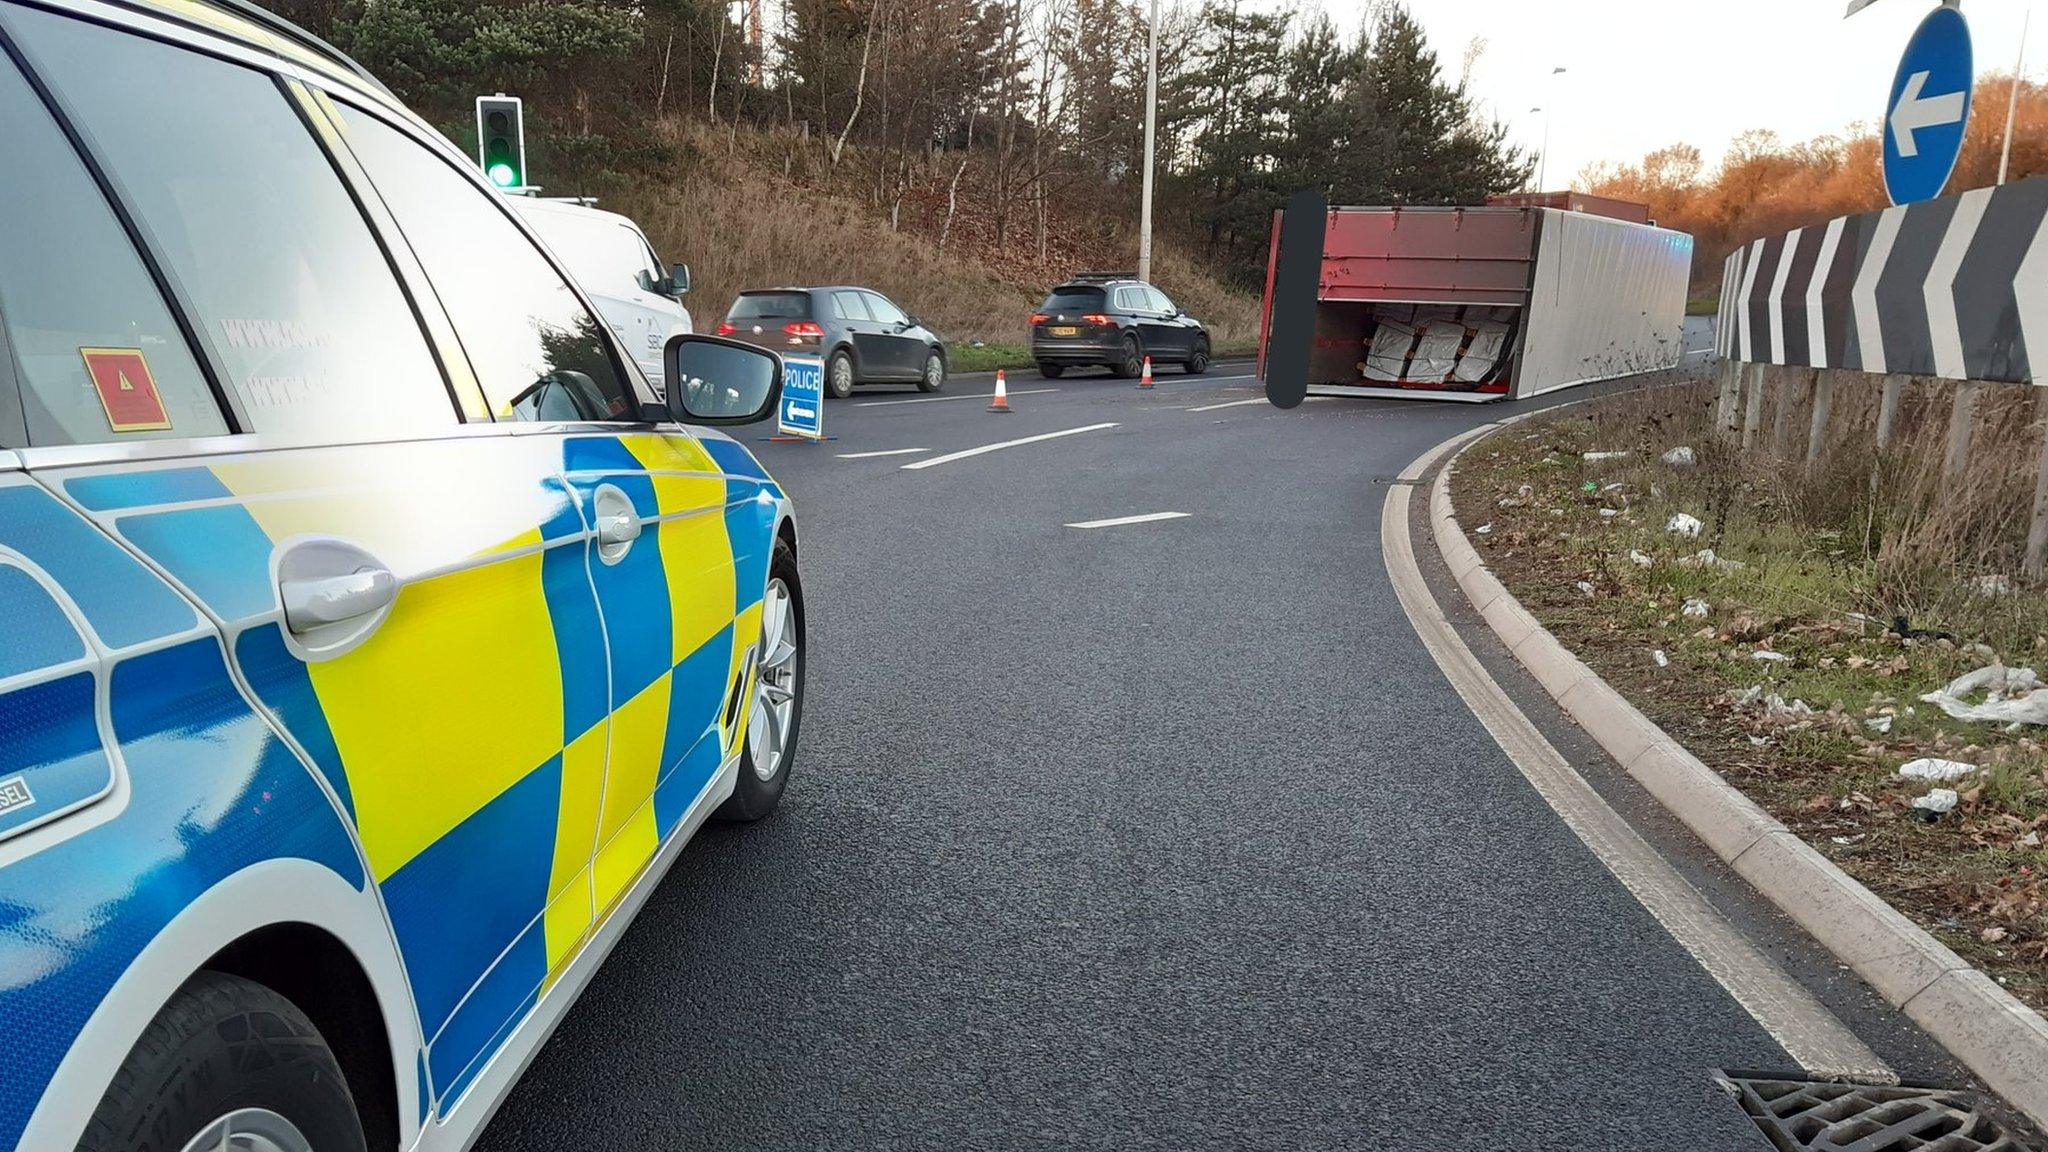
(860, 86)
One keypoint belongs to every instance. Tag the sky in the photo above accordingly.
(1641, 74)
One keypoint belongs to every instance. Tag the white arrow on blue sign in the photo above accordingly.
(803, 397)
(1928, 108)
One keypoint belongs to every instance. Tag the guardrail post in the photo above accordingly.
(1781, 415)
(2037, 532)
(1888, 408)
(1823, 402)
(1728, 403)
(1753, 407)
(1962, 417)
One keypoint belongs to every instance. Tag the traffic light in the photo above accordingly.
(501, 140)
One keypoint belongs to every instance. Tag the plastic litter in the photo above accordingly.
(1938, 771)
(1696, 607)
(1662, 660)
(1483, 530)
(1879, 724)
(1705, 558)
(1610, 513)
(1684, 524)
(1680, 457)
(1769, 656)
(1930, 807)
(1585, 588)
(2010, 696)
(1640, 558)
(1989, 586)
(1604, 456)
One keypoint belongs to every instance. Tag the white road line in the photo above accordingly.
(1231, 404)
(963, 396)
(889, 452)
(1147, 518)
(1801, 1025)
(952, 456)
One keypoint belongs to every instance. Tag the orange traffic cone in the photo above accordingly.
(1002, 397)
(1145, 377)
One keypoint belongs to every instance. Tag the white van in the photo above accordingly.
(611, 258)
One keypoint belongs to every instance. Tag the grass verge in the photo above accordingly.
(1789, 643)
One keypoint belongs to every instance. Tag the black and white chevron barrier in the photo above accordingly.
(1955, 287)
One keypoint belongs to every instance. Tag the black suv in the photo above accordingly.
(1116, 320)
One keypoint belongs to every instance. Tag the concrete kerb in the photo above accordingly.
(1982, 1025)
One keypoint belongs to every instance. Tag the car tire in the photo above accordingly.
(779, 672)
(934, 376)
(227, 1055)
(839, 375)
(1131, 360)
(1198, 360)
(1052, 371)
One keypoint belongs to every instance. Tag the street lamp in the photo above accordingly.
(1543, 164)
(1151, 116)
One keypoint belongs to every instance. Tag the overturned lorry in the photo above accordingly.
(1512, 299)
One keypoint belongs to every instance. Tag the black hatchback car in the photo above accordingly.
(860, 334)
(1115, 320)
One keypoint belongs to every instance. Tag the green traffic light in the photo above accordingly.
(503, 175)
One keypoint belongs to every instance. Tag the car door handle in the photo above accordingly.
(618, 528)
(315, 602)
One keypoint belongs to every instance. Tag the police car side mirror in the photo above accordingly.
(711, 380)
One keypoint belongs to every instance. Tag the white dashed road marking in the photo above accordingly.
(1230, 404)
(1147, 518)
(888, 452)
(962, 396)
(952, 456)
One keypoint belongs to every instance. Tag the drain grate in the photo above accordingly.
(1805, 1116)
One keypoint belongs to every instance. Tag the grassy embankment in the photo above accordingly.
(763, 209)
(1865, 582)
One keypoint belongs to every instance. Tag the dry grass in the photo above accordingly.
(765, 208)
(1825, 560)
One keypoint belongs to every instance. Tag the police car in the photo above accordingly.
(372, 636)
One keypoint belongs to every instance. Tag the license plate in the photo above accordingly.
(1064, 330)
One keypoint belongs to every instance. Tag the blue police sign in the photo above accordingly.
(803, 397)
(1929, 105)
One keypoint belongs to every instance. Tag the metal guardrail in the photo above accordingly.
(1953, 289)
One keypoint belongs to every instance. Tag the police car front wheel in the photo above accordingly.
(775, 711)
(227, 1064)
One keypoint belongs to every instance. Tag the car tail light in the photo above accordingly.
(727, 328)
(1039, 317)
(1098, 318)
(803, 328)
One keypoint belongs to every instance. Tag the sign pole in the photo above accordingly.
(2012, 98)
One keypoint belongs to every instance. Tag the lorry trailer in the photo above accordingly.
(1482, 303)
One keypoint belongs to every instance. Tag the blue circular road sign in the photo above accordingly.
(1928, 108)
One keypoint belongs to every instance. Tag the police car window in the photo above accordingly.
(98, 355)
(848, 306)
(537, 351)
(252, 219)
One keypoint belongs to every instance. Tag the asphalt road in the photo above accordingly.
(1168, 835)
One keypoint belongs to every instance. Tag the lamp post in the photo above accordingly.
(1151, 116)
(1543, 164)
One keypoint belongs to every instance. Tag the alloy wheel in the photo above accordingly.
(775, 693)
(250, 1130)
